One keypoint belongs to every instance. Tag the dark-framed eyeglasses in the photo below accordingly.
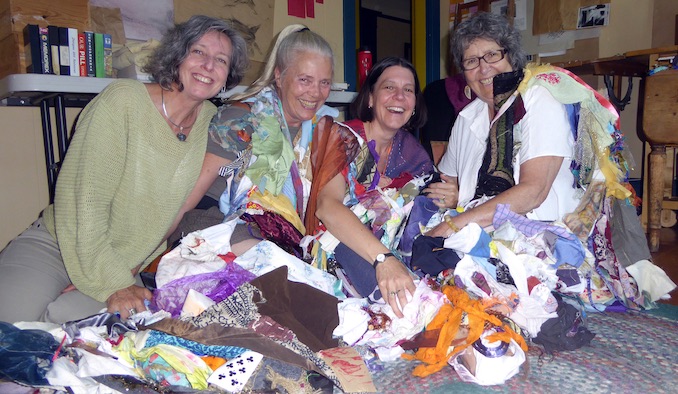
(489, 58)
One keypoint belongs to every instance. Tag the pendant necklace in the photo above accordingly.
(180, 135)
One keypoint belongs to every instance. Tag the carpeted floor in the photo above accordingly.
(631, 353)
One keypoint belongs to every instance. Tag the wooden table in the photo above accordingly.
(658, 114)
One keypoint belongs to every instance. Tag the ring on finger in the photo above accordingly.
(132, 311)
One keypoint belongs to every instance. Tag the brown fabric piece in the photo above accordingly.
(310, 313)
(217, 335)
(333, 147)
(196, 219)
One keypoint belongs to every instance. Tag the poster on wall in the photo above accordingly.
(593, 16)
(142, 20)
(254, 19)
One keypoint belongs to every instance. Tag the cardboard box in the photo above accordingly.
(15, 14)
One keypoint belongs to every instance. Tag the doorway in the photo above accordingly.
(386, 28)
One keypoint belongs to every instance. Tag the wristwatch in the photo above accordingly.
(381, 257)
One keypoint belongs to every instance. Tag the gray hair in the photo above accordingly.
(164, 62)
(488, 26)
(292, 40)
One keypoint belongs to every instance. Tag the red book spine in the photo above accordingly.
(82, 57)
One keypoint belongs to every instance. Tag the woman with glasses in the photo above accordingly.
(505, 147)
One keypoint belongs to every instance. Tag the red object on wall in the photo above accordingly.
(310, 9)
(364, 65)
(302, 8)
(296, 8)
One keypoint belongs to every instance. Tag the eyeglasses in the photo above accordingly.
(489, 58)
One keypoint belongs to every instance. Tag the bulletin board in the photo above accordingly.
(557, 15)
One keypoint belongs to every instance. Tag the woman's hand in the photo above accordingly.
(441, 230)
(394, 281)
(445, 194)
(128, 301)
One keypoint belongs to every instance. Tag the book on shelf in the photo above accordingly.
(89, 55)
(37, 50)
(53, 38)
(108, 55)
(64, 56)
(82, 54)
(73, 54)
(99, 65)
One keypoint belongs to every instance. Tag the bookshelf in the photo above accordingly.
(60, 91)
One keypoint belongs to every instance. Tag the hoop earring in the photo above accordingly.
(414, 111)
(467, 92)
(223, 90)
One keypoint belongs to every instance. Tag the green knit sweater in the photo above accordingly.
(123, 181)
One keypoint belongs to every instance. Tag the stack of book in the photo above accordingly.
(67, 51)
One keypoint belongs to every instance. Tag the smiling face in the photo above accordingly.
(205, 69)
(480, 79)
(304, 87)
(393, 98)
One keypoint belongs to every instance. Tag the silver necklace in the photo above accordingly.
(180, 135)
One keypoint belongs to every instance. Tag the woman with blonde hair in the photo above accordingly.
(260, 144)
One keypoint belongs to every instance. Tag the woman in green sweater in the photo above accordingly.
(135, 155)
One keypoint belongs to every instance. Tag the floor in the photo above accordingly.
(667, 257)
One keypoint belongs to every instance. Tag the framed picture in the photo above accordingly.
(593, 16)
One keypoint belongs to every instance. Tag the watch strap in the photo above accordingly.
(377, 262)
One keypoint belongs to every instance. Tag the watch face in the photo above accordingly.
(381, 257)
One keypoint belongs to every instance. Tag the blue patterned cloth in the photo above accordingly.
(227, 352)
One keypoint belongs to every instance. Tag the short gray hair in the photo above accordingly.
(164, 62)
(488, 26)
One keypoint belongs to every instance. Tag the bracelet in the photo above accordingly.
(448, 220)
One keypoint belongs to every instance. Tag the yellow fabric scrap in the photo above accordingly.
(182, 360)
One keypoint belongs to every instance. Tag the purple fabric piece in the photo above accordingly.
(277, 229)
(566, 247)
(215, 285)
(407, 155)
(617, 307)
(526, 226)
(454, 86)
(359, 271)
(422, 211)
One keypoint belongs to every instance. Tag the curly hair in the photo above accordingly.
(488, 26)
(360, 107)
(164, 62)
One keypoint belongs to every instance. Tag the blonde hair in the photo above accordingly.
(291, 40)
